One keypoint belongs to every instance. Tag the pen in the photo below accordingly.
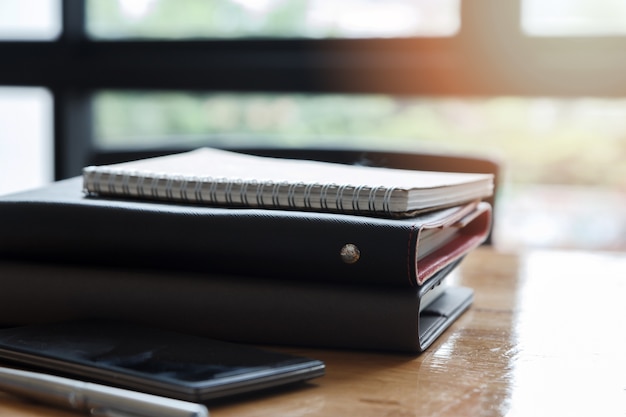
(95, 399)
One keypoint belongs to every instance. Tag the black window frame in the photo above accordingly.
(489, 56)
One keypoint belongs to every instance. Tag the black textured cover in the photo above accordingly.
(274, 312)
(58, 223)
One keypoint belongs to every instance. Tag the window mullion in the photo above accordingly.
(73, 21)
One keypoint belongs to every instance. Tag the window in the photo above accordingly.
(30, 19)
(25, 138)
(26, 112)
(176, 19)
(539, 83)
(574, 17)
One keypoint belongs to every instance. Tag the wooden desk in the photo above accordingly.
(545, 337)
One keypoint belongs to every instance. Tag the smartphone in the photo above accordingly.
(151, 360)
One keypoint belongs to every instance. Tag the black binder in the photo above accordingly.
(273, 312)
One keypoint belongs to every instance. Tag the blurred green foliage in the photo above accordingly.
(539, 140)
(193, 18)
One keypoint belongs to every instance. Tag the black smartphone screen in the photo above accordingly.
(152, 360)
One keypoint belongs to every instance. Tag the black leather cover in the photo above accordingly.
(287, 312)
(58, 223)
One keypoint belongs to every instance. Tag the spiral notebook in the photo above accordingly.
(222, 178)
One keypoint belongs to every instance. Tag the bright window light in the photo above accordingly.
(574, 17)
(110, 19)
(26, 156)
(30, 19)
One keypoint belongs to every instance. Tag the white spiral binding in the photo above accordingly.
(307, 195)
(239, 192)
(371, 199)
(243, 192)
(356, 195)
(259, 194)
(197, 189)
(324, 195)
(213, 190)
(154, 187)
(168, 188)
(96, 182)
(276, 194)
(182, 189)
(291, 195)
(339, 197)
(228, 192)
(387, 200)
(125, 183)
(140, 190)
(111, 182)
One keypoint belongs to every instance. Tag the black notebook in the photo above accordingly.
(238, 309)
(58, 222)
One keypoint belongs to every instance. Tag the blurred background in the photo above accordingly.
(538, 85)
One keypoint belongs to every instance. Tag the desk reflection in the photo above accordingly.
(570, 336)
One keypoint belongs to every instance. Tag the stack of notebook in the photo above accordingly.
(247, 248)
